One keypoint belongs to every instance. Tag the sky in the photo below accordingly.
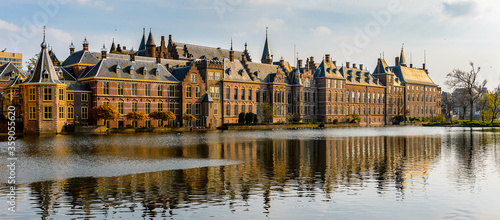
(448, 33)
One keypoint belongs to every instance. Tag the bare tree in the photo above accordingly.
(469, 82)
(447, 104)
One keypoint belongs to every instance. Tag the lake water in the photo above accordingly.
(341, 173)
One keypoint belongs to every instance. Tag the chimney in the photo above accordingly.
(158, 59)
(299, 64)
(354, 65)
(243, 58)
(103, 51)
(327, 57)
(361, 66)
(348, 64)
(132, 57)
(282, 62)
(119, 48)
(124, 48)
(397, 61)
(411, 65)
(423, 66)
(71, 48)
(311, 64)
(85, 44)
(162, 41)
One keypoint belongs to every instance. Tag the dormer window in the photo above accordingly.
(157, 72)
(132, 69)
(240, 72)
(118, 69)
(45, 74)
(144, 71)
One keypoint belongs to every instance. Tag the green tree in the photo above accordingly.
(355, 118)
(31, 63)
(493, 103)
(267, 112)
(249, 117)
(241, 118)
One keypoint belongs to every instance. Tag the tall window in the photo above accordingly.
(71, 96)
(235, 93)
(47, 112)
(189, 108)
(235, 109)
(228, 91)
(217, 76)
(85, 97)
(120, 107)
(257, 96)
(171, 91)
(105, 89)
(188, 92)
(197, 108)
(193, 78)
(198, 91)
(32, 113)
(148, 107)
(134, 106)
(147, 89)
(160, 90)
(47, 94)
(210, 75)
(71, 112)
(242, 94)
(61, 94)
(134, 88)
(32, 94)
(217, 92)
(216, 109)
(250, 94)
(61, 112)
(85, 113)
(120, 88)
(329, 83)
(228, 109)
(160, 106)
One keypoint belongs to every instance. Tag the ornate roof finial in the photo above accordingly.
(266, 31)
(43, 45)
(71, 46)
(103, 47)
(85, 42)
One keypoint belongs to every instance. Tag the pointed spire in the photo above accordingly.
(113, 46)
(231, 43)
(402, 61)
(151, 40)
(43, 45)
(267, 56)
(44, 70)
(142, 46)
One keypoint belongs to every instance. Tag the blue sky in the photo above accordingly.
(452, 32)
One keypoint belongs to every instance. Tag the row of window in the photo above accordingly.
(336, 83)
(134, 89)
(420, 97)
(48, 112)
(47, 95)
(197, 109)
(147, 107)
(11, 59)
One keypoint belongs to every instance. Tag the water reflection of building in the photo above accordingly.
(269, 168)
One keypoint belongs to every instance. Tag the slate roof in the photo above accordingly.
(151, 40)
(382, 67)
(265, 72)
(67, 73)
(266, 53)
(327, 69)
(207, 98)
(126, 69)
(81, 57)
(9, 70)
(235, 71)
(359, 77)
(78, 87)
(43, 67)
(191, 51)
(142, 46)
(412, 75)
(181, 72)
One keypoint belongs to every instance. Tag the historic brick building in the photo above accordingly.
(213, 84)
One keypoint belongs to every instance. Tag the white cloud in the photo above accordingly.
(322, 31)
(4, 25)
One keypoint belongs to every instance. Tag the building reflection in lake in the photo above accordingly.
(270, 169)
